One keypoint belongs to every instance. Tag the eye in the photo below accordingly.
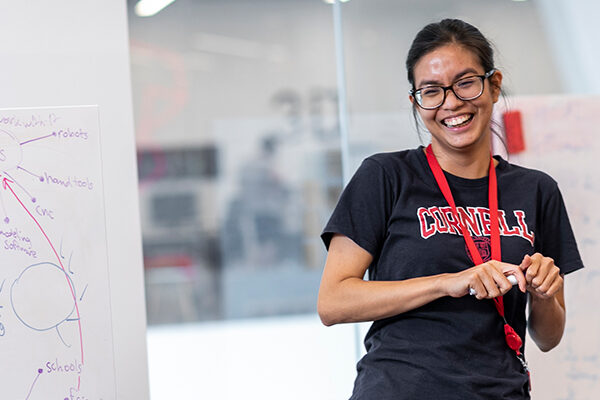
(431, 91)
(466, 83)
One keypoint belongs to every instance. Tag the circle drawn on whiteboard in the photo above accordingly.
(41, 296)
(11, 153)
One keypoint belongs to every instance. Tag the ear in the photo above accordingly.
(496, 85)
(412, 99)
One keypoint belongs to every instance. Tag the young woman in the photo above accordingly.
(432, 225)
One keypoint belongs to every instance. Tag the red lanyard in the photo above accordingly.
(512, 338)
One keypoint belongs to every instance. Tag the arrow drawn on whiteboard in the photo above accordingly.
(30, 173)
(6, 185)
(39, 138)
(12, 180)
(39, 372)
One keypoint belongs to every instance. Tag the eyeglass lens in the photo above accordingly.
(465, 89)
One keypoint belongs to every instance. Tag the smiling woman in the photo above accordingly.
(430, 338)
(457, 123)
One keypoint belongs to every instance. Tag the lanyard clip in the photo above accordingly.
(523, 362)
(526, 368)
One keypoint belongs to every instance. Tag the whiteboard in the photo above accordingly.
(563, 139)
(55, 319)
(66, 52)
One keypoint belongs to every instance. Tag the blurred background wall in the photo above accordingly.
(239, 158)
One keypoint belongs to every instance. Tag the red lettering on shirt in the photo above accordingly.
(441, 225)
(434, 220)
(453, 224)
(524, 230)
(468, 218)
(504, 230)
(427, 230)
(484, 219)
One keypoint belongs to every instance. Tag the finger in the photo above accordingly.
(549, 280)
(502, 282)
(479, 288)
(510, 269)
(533, 268)
(490, 283)
(546, 265)
(521, 281)
(525, 263)
(555, 287)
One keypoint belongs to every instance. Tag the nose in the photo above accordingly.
(451, 101)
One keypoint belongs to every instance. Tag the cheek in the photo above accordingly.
(488, 99)
(485, 106)
(427, 116)
(487, 110)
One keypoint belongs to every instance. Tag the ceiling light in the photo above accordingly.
(148, 8)
(333, 1)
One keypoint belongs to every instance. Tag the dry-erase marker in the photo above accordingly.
(511, 279)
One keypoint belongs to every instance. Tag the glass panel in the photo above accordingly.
(238, 153)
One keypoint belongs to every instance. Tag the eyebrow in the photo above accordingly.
(456, 77)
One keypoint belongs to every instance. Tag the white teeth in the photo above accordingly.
(451, 122)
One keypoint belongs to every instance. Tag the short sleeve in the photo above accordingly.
(364, 208)
(557, 238)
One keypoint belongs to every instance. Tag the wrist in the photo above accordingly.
(441, 284)
(536, 299)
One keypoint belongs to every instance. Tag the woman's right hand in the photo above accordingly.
(487, 279)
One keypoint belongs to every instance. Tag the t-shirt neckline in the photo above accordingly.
(457, 180)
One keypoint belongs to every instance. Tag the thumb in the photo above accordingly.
(525, 263)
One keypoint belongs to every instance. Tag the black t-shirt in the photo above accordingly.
(451, 348)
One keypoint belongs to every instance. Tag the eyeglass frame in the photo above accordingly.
(483, 77)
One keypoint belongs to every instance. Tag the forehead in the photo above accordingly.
(444, 63)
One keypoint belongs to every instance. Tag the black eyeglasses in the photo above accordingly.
(468, 88)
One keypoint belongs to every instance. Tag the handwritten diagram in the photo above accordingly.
(55, 325)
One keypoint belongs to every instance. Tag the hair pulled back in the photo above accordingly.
(446, 32)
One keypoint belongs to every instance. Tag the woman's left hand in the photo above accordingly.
(543, 277)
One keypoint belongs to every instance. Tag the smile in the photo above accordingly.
(457, 122)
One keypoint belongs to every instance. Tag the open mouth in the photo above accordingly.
(457, 122)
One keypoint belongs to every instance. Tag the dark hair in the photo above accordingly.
(445, 32)
(448, 31)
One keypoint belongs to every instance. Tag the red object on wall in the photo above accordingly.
(514, 131)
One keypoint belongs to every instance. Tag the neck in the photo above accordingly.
(469, 164)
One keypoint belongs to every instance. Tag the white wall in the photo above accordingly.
(73, 52)
(291, 358)
(572, 26)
